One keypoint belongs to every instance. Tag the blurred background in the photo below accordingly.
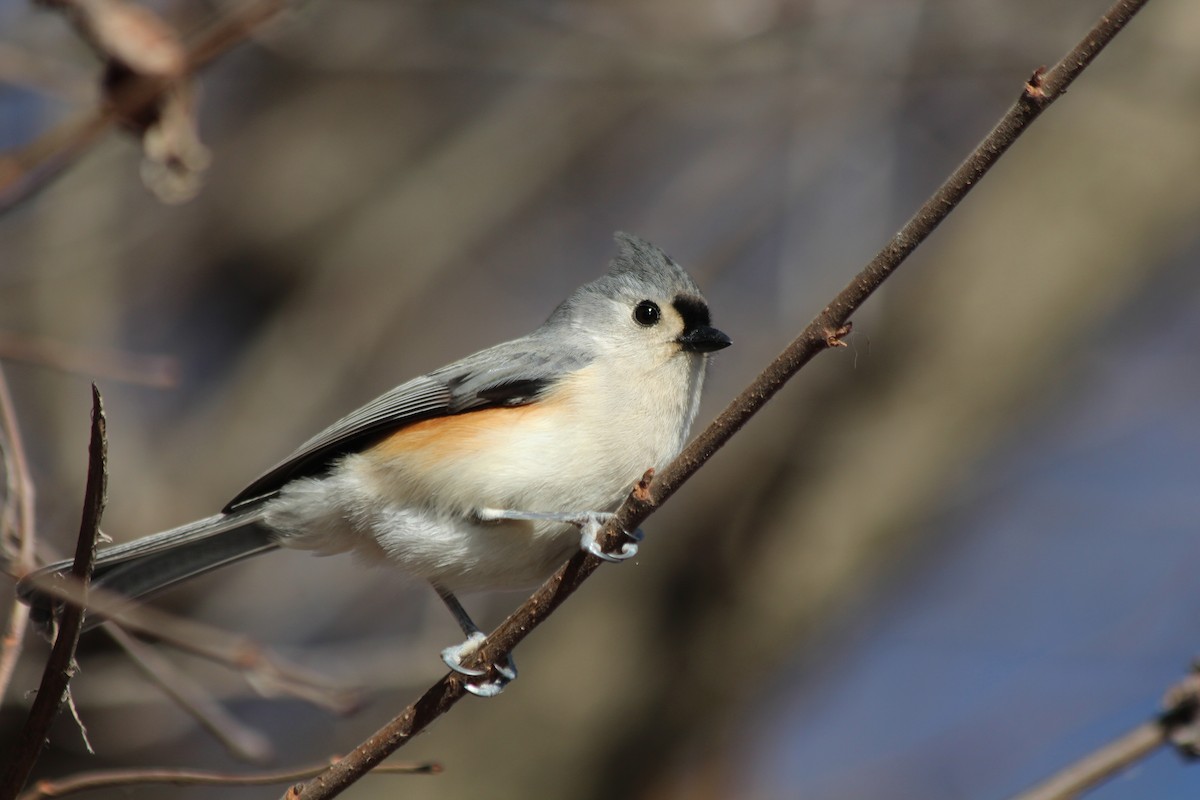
(944, 562)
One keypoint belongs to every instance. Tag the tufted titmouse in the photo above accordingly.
(476, 475)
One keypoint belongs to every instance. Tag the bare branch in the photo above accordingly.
(16, 530)
(35, 70)
(28, 170)
(131, 35)
(825, 331)
(267, 672)
(240, 740)
(1176, 725)
(53, 690)
(159, 372)
(107, 779)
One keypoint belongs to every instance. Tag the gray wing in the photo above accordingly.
(511, 374)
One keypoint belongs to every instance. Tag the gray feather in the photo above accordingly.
(146, 566)
(509, 374)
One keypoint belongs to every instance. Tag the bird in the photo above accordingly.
(487, 473)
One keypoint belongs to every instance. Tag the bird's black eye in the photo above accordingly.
(646, 313)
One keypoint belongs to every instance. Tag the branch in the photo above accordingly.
(27, 170)
(89, 781)
(267, 672)
(825, 331)
(240, 740)
(16, 530)
(159, 372)
(53, 690)
(1175, 725)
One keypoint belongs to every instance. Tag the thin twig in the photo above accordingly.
(33, 69)
(160, 372)
(16, 529)
(107, 779)
(1176, 725)
(53, 691)
(240, 740)
(28, 170)
(267, 672)
(825, 331)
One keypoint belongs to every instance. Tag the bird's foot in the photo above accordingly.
(591, 524)
(479, 684)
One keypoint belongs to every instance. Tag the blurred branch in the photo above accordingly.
(16, 530)
(825, 331)
(60, 666)
(241, 741)
(35, 71)
(1177, 725)
(89, 781)
(134, 97)
(268, 673)
(159, 372)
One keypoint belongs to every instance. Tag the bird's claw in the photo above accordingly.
(453, 656)
(505, 672)
(589, 538)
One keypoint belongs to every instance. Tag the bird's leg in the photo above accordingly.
(590, 523)
(506, 672)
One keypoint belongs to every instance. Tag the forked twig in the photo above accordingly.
(60, 667)
(26, 171)
(267, 672)
(240, 740)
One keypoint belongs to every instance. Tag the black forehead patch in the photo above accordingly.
(693, 310)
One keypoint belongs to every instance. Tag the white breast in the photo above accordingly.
(410, 500)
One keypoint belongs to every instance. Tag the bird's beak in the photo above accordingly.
(704, 339)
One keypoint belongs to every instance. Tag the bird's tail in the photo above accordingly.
(145, 566)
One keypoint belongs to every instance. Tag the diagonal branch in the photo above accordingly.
(27, 170)
(240, 740)
(267, 672)
(1176, 724)
(53, 690)
(825, 331)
